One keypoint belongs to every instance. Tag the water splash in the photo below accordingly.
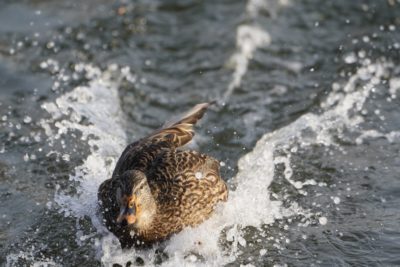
(12, 259)
(98, 103)
(249, 37)
(249, 205)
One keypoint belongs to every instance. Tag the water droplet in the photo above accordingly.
(66, 157)
(263, 252)
(350, 58)
(323, 220)
(27, 119)
(336, 200)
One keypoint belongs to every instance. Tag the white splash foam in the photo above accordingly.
(323, 220)
(392, 137)
(394, 87)
(249, 37)
(343, 107)
(336, 200)
(14, 260)
(99, 103)
(289, 172)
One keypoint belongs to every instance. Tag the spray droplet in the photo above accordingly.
(27, 119)
(263, 252)
(198, 175)
(323, 220)
(336, 200)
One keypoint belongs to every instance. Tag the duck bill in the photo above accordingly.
(128, 215)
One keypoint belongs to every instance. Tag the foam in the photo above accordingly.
(14, 258)
(99, 103)
(394, 87)
(249, 37)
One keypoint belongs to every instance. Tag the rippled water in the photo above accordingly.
(307, 126)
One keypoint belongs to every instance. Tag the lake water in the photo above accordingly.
(307, 128)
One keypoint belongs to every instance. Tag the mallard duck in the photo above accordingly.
(156, 189)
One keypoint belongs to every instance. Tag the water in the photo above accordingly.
(307, 126)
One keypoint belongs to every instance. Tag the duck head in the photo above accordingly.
(136, 202)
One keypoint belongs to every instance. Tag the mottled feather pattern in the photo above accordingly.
(185, 185)
(180, 132)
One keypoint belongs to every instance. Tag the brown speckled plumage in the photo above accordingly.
(160, 183)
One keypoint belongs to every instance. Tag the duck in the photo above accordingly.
(158, 188)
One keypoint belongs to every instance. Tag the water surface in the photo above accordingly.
(307, 126)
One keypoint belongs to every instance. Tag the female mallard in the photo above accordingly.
(156, 190)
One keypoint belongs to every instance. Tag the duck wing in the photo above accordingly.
(140, 154)
(180, 131)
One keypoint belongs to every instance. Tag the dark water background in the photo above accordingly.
(179, 52)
